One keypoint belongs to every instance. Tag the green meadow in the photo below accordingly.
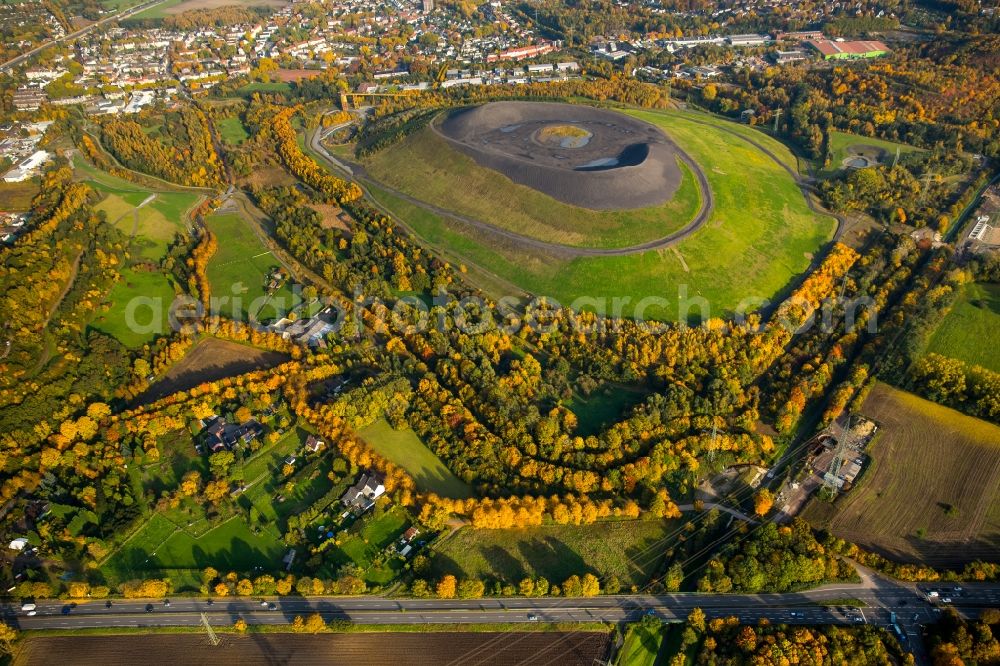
(968, 331)
(405, 449)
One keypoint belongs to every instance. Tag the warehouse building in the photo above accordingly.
(848, 50)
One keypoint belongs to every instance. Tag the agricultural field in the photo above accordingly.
(211, 359)
(172, 7)
(931, 494)
(760, 235)
(18, 196)
(631, 550)
(968, 330)
(238, 272)
(510, 648)
(404, 448)
(232, 131)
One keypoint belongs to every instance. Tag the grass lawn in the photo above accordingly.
(629, 549)
(603, 407)
(452, 180)
(968, 330)
(760, 235)
(131, 560)
(142, 298)
(238, 270)
(152, 223)
(160, 548)
(642, 645)
(232, 131)
(405, 449)
(230, 546)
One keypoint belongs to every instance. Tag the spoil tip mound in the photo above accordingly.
(580, 155)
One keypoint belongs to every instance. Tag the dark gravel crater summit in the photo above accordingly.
(580, 155)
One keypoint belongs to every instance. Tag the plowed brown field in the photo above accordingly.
(373, 649)
(932, 494)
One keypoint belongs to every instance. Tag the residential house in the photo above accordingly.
(362, 495)
(220, 435)
(314, 444)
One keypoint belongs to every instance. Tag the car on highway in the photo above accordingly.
(31, 613)
(149, 608)
(946, 600)
(532, 617)
(794, 614)
(272, 606)
(66, 609)
(263, 603)
(28, 607)
(107, 604)
(166, 603)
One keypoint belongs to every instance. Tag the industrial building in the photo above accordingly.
(848, 50)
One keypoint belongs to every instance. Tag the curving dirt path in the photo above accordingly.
(569, 251)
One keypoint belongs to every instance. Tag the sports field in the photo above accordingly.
(238, 272)
(967, 333)
(760, 235)
(405, 449)
(931, 494)
(631, 550)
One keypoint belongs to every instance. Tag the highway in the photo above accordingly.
(14, 62)
(793, 608)
(875, 600)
